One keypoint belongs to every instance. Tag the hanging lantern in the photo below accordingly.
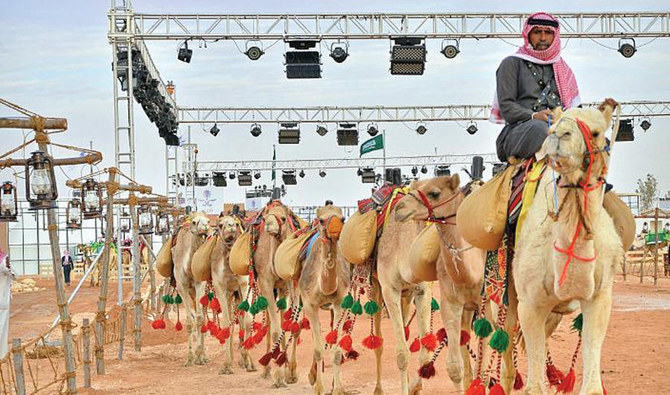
(146, 221)
(8, 203)
(41, 190)
(73, 214)
(91, 198)
(162, 223)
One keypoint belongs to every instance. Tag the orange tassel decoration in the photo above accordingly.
(305, 323)
(249, 343)
(240, 334)
(429, 341)
(203, 328)
(204, 300)
(158, 324)
(346, 343)
(215, 305)
(286, 325)
(257, 325)
(373, 342)
(331, 337)
(568, 383)
(415, 346)
(295, 327)
(476, 388)
(287, 314)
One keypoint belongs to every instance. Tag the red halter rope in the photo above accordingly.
(570, 250)
(431, 209)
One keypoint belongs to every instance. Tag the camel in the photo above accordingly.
(276, 226)
(189, 237)
(460, 267)
(323, 283)
(569, 252)
(230, 288)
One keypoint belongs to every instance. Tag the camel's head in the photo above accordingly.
(199, 223)
(229, 228)
(276, 219)
(432, 199)
(577, 140)
(330, 221)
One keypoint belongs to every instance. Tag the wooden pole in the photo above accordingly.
(17, 357)
(624, 266)
(122, 329)
(66, 324)
(656, 246)
(100, 316)
(137, 278)
(86, 333)
(644, 256)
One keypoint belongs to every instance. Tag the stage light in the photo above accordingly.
(289, 133)
(373, 129)
(201, 181)
(408, 56)
(339, 52)
(627, 47)
(231, 175)
(288, 176)
(184, 53)
(214, 130)
(442, 170)
(254, 52)
(415, 171)
(256, 130)
(472, 128)
(625, 131)
(421, 129)
(347, 134)
(450, 48)
(302, 63)
(219, 179)
(477, 168)
(257, 175)
(424, 169)
(359, 172)
(393, 175)
(645, 124)
(321, 130)
(368, 175)
(244, 179)
(302, 174)
(322, 173)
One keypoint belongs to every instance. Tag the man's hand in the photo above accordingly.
(542, 115)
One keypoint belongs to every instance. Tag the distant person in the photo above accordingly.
(6, 277)
(66, 261)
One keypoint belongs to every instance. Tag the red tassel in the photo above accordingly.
(287, 314)
(465, 338)
(603, 385)
(281, 359)
(298, 341)
(345, 343)
(407, 333)
(331, 337)
(429, 341)
(353, 355)
(476, 388)
(215, 305)
(554, 376)
(305, 324)
(346, 328)
(276, 352)
(373, 342)
(265, 359)
(211, 326)
(518, 381)
(249, 343)
(240, 334)
(204, 300)
(427, 370)
(497, 390)
(224, 333)
(568, 383)
(203, 328)
(257, 325)
(441, 335)
(415, 346)
(286, 325)
(158, 324)
(178, 326)
(258, 337)
(295, 327)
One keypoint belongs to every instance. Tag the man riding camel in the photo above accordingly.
(531, 83)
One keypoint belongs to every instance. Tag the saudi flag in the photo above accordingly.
(375, 143)
(274, 158)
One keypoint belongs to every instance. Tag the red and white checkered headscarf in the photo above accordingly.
(565, 78)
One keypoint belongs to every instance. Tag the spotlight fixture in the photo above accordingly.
(408, 56)
(257, 175)
(373, 129)
(359, 172)
(347, 134)
(368, 175)
(322, 173)
(450, 48)
(244, 178)
(255, 130)
(302, 63)
(219, 179)
(645, 124)
(184, 53)
(442, 170)
(339, 52)
(421, 129)
(625, 131)
(231, 175)
(627, 47)
(253, 52)
(477, 168)
(214, 130)
(302, 174)
(201, 180)
(424, 169)
(321, 130)
(289, 133)
(472, 128)
(288, 176)
(415, 171)
(393, 175)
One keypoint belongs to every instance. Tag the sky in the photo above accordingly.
(57, 62)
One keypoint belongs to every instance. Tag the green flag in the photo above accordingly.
(274, 158)
(373, 144)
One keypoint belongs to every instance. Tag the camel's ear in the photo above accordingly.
(607, 108)
(318, 212)
(556, 114)
(414, 185)
(454, 182)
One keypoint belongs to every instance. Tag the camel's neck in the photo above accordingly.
(463, 263)
(327, 257)
(580, 201)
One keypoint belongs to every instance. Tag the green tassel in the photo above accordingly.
(177, 299)
(434, 306)
(499, 340)
(281, 304)
(166, 299)
(253, 309)
(244, 306)
(210, 296)
(261, 303)
(357, 309)
(482, 327)
(371, 307)
(347, 302)
(577, 323)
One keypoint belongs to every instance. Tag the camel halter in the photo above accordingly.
(588, 160)
(431, 209)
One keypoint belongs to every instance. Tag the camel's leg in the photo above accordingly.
(312, 313)
(596, 319)
(292, 369)
(508, 373)
(422, 299)
(266, 288)
(377, 325)
(392, 301)
(224, 298)
(466, 325)
(245, 323)
(337, 355)
(532, 319)
(452, 314)
(200, 358)
(189, 305)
